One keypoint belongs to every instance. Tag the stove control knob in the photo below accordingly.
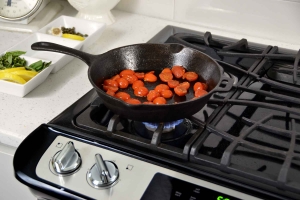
(103, 173)
(67, 160)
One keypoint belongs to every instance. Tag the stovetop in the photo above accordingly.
(246, 138)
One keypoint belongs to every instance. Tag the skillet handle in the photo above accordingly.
(228, 86)
(48, 46)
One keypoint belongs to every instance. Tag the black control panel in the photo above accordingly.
(164, 187)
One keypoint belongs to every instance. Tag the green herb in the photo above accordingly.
(38, 66)
(11, 59)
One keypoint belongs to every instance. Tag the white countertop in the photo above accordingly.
(20, 116)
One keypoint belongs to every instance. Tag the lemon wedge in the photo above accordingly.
(72, 36)
(13, 69)
(11, 77)
(26, 75)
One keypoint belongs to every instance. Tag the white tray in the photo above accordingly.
(93, 29)
(21, 90)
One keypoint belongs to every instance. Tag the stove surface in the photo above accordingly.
(246, 139)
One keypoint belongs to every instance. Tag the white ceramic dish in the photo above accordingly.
(91, 28)
(21, 90)
(58, 60)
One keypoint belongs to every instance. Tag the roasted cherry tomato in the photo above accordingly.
(110, 82)
(122, 82)
(200, 86)
(140, 75)
(185, 84)
(180, 90)
(137, 84)
(166, 94)
(148, 102)
(190, 76)
(130, 78)
(173, 83)
(126, 72)
(199, 93)
(122, 95)
(165, 77)
(204, 86)
(150, 77)
(178, 71)
(115, 77)
(141, 91)
(152, 95)
(110, 92)
(133, 101)
(161, 87)
(159, 101)
(112, 88)
(166, 70)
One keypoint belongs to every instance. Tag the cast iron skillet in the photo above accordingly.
(148, 57)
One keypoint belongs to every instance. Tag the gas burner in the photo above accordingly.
(168, 126)
(172, 131)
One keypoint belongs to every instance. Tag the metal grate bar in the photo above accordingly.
(241, 45)
(282, 177)
(271, 129)
(249, 145)
(225, 160)
(157, 135)
(270, 94)
(275, 84)
(295, 71)
(265, 105)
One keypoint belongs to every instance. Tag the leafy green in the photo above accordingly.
(38, 66)
(11, 59)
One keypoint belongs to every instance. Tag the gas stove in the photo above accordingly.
(242, 145)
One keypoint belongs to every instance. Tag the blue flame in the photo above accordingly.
(167, 125)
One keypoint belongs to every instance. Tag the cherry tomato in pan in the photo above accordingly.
(152, 95)
(110, 92)
(159, 101)
(110, 82)
(150, 77)
(165, 77)
(148, 102)
(130, 78)
(133, 101)
(137, 84)
(199, 93)
(112, 88)
(198, 86)
(190, 76)
(115, 77)
(180, 90)
(185, 84)
(166, 94)
(166, 70)
(140, 75)
(126, 72)
(173, 83)
(122, 82)
(204, 86)
(178, 71)
(122, 95)
(141, 92)
(161, 87)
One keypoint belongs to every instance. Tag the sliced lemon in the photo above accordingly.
(13, 69)
(72, 36)
(26, 75)
(11, 77)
